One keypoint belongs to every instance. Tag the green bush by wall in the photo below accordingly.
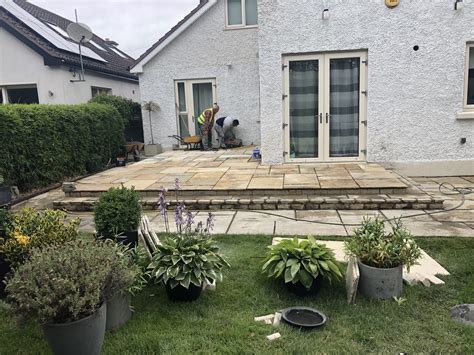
(127, 108)
(45, 144)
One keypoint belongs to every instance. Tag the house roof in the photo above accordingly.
(114, 61)
(187, 21)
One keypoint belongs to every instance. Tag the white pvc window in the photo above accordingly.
(469, 90)
(242, 13)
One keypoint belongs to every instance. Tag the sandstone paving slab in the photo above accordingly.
(381, 183)
(338, 184)
(172, 178)
(222, 222)
(301, 179)
(455, 216)
(409, 216)
(439, 229)
(275, 182)
(227, 184)
(255, 223)
(139, 184)
(175, 170)
(307, 228)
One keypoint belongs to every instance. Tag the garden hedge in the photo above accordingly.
(126, 107)
(45, 144)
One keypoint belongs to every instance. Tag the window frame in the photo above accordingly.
(100, 90)
(243, 4)
(5, 95)
(466, 106)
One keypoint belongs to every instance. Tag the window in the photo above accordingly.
(98, 90)
(469, 101)
(19, 94)
(242, 13)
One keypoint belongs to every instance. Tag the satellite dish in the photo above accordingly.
(79, 32)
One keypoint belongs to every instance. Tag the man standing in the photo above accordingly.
(206, 121)
(223, 128)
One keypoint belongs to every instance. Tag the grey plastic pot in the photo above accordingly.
(118, 310)
(82, 337)
(380, 283)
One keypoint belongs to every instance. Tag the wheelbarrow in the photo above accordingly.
(191, 142)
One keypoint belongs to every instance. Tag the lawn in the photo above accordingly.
(222, 321)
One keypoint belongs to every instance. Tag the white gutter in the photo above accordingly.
(138, 68)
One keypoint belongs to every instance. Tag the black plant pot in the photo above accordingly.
(4, 271)
(299, 290)
(181, 294)
(121, 162)
(5, 195)
(129, 238)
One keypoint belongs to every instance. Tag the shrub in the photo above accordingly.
(118, 210)
(62, 283)
(301, 261)
(6, 222)
(46, 144)
(378, 249)
(187, 259)
(127, 108)
(36, 229)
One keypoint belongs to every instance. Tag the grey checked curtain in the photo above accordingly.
(304, 109)
(344, 107)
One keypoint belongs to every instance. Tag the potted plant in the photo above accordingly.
(29, 229)
(127, 278)
(69, 304)
(151, 149)
(381, 257)
(184, 262)
(302, 264)
(117, 215)
(5, 192)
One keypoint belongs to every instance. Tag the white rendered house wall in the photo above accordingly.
(206, 50)
(413, 96)
(21, 65)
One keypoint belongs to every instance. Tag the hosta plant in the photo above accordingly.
(187, 259)
(301, 261)
(36, 229)
(374, 247)
(62, 283)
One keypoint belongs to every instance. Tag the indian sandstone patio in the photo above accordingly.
(231, 180)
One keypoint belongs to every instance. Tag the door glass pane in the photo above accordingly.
(304, 109)
(203, 99)
(470, 82)
(183, 126)
(234, 12)
(181, 98)
(344, 107)
(251, 15)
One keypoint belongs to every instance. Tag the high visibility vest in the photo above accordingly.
(202, 118)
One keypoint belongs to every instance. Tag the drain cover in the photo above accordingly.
(304, 317)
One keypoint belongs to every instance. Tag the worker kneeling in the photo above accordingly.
(224, 128)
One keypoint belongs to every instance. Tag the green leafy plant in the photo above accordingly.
(6, 223)
(374, 247)
(2, 180)
(50, 143)
(187, 259)
(118, 210)
(62, 283)
(127, 108)
(301, 261)
(36, 229)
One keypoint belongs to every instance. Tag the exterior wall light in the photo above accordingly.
(458, 5)
(325, 14)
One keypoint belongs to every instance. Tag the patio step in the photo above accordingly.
(301, 202)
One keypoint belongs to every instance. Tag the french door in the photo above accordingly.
(192, 98)
(325, 107)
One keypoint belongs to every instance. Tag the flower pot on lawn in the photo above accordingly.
(129, 238)
(182, 294)
(300, 290)
(82, 337)
(380, 283)
(118, 310)
(5, 195)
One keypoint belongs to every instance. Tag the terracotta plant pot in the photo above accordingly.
(81, 337)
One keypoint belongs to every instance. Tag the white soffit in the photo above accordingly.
(46, 32)
(138, 67)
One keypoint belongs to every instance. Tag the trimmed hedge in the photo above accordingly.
(127, 108)
(44, 144)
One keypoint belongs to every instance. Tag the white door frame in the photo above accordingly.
(189, 98)
(324, 106)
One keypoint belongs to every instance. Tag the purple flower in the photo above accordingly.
(177, 184)
(189, 221)
(178, 216)
(210, 222)
(162, 204)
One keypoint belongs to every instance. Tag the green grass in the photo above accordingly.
(222, 321)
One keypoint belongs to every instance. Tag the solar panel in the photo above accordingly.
(119, 53)
(46, 32)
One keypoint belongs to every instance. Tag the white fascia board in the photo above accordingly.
(138, 68)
